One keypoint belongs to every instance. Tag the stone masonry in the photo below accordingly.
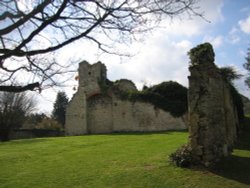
(213, 120)
(95, 108)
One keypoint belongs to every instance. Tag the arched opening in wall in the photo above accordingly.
(99, 114)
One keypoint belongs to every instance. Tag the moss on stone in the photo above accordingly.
(201, 54)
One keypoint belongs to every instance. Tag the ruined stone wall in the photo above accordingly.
(213, 119)
(107, 115)
(99, 118)
(90, 77)
(143, 117)
(76, 114)
(96, 109)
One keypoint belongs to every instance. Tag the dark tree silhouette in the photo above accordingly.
(30, 32)
(246, 65)
(230, 74)
(13, 109)
(60, 107)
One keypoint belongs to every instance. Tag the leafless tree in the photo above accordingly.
(14, 107)
(32, 29)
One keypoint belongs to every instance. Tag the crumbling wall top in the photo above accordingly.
(91, 73)
(202, 54)
(202, 61)
(125, 85)
(90, 77)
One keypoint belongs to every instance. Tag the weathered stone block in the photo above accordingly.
(95, 108)
(212, 116)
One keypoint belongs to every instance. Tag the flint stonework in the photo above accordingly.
(95, 107)
(213, 119)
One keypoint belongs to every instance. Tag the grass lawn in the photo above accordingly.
(119, 160)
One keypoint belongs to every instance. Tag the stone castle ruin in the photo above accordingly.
(97, 108)
(212, 112)
(213, 119)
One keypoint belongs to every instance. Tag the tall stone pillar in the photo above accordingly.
(210, 107)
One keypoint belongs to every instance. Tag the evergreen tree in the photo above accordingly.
(60, 107)
(246, 65)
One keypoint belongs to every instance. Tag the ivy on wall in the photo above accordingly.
(203, 53)
(168, 96)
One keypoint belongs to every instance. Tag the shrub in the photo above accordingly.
(168, 96)
(48, 124)
(182, 157)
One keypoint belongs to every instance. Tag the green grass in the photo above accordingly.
(119, 160)
(247, 115)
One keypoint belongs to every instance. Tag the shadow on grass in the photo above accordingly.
(237, 167)
(244, 138)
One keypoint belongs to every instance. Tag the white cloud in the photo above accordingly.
(215, 41)
(160, 60)
(213, 10)
(162, 56)
(233, 36)
(245, 25)
(25, 5)
(188, 27)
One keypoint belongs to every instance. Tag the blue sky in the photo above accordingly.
(234, 34)
(162, 55)
(234, 39)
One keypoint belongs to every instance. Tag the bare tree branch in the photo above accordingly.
(25, 18)
(17, 89)
(30, 31)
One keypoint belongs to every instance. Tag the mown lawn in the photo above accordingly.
(119, 160)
